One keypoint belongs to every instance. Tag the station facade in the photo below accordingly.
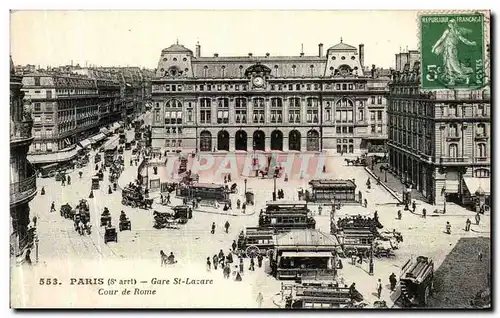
(268, 103)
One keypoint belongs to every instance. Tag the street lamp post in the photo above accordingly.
(444, 201)
(371, 261)
(385, 174)
(245, 186)
(36, 248)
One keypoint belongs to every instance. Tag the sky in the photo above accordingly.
(136, 38)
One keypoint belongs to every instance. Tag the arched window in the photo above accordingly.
(205, 141)
(481, 130)
(482, 173)
(173, 103)
(453, 150)
(344, 102)
(481, 150)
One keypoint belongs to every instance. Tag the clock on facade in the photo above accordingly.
(258, 81)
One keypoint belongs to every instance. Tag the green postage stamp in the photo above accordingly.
(452, 51)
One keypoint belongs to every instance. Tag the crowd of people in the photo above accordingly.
(359, 221)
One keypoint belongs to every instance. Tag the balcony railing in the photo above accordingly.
(20, 130)
(460, 95)
(20, 191)
(454, 160)
(482, 159)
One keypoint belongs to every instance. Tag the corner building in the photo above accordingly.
(439, 142)
(268, 103)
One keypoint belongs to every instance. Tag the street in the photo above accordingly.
(192, 243)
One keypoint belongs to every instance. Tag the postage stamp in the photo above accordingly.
(452, 51)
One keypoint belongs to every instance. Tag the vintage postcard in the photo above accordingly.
(288, 163)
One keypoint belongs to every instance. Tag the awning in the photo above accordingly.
(85, 143)
(105, 131)
(59, 156)
(98, 137)
(307, 254)
(473, 184)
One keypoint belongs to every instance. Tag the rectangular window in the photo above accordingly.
(344, 115)
(49, 94)
(209, 87)
(344, 87)
(379, 115)
(240, 116)
(373, 99)
(312, 116)
(276, 116)
(308, 87)
(157, 115)
(338, 115)
(337, 87)
(294, 116)
(338, 130)
(174, 88)
(38, 107)
(349, 116)
(328, 114)
(190, 115)
(373, 128)
(37, 81)
(351, 87)
(37, 119)
(202, 87)
(290, 87)
(205, 116)
(372, 115)
(379, 99)
(351, 130)
(179, 118)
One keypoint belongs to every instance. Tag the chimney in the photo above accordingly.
(216, 54)
(301, 54)
(373, 70)
(250, 54)
(198, 49)
(362, 54)
(267, 54)
(320, 50)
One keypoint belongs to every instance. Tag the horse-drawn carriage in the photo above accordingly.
(164, 220)
(125, 224)
(105, 217)
(359, 161)
(100, 175)
(67, 211)
(278, 172)
(135, 198)
(182, 213)
(95, 183)
(110, 235)
(254, 240)
(82, 222)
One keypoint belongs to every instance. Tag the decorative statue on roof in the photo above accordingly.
(27, 110)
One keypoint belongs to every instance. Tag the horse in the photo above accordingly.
(351, 162)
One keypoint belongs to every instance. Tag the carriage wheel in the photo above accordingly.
(252, 251)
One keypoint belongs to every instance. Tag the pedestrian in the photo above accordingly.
(424, 213)
(80, 173)
(241, 265)
(229, 257)
(35, 219)
(216, 261)
(63, 182)
(238, 204)
(42, 192)
(399, 215)
(393, 280)
(27, 258)
(244, 207)
(366, 203)
(238, 278)
(379, 288)
(226, 226)
(480, 255)
(448, 228)
(414, 206)
(260, 258)
(161, 198)
(260, 299)
(478, 218)
(69, 180)
(91, 195)
(168, 198)
(320, 209)
(53, 207)
(229, 177)
(110, 191)
(360, 258)
(234, 245)
(213, 228)
(286, 177)
(252, 264)
(208, 264)
(225, 179)
(467, 225)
